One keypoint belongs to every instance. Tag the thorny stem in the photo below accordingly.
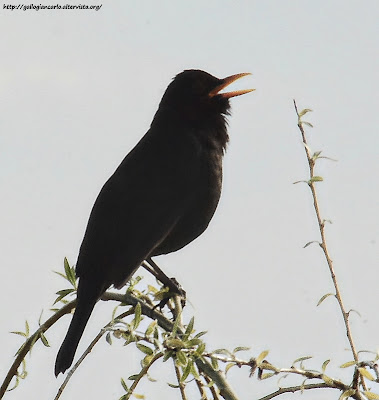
(323, 245)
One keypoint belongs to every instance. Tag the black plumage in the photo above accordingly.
(161, 197)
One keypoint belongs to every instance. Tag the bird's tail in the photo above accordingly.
(87, 298)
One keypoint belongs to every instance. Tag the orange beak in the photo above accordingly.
(226, 82)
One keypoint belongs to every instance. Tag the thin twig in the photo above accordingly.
(142, 373)
(212, 389)
(301, 388)
(206, 368)
(181, 384)
(203, 365)
(200, 386)
(88, 350)
(30, 342)
(323, 245)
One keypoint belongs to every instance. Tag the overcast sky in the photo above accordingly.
(78, 89)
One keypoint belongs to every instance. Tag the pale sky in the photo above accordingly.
(78, 90)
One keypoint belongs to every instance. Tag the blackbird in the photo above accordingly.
(161, 197)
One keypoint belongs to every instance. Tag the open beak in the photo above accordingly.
(226, 82)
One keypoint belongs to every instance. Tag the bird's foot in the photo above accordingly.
(174, 289)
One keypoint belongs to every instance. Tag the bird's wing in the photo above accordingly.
(138, 206)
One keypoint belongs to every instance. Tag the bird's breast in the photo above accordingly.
(202, 204)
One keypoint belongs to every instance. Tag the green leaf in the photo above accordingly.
(44, 340)
(62, 293)
(316, 179)
(300, 359)
(366, 374)
(303, 112)
(70, 273)
(133, 377)
(371, 395)
(150, 329)
(167, 355)
(225, 352)
(60, 274)
(173, 385)
(355, 311)
(261, 356)
(309, 243)
(137, 316)
(156, 336)
(152, 289)
(228, 366)
(307, 123)
(189, 329)
(200, 350)
(147, 360)
(124, 385)
(19, 333)
(162, 294)
(201, 334)
(40, 319)
(240, 348)
(266, 365)
(267, 375)
(145, 349)
(66, 266)
(194, 371)
(181, 358)
(324, 365)
(193, 342)
(324, 297)
(108, 338)
(328, 158)
(186, 371)
(27, 331)
(214, 363)
(303, 385)
(348, 364)
(150, 378)
(175, 343)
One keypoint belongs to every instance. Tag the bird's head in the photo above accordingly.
(197, 93)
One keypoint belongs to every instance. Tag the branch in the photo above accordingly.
(301, 388)
(142, 373)
(323, 245)
(26, 347)
(206, 368)
(88, 350)
(180, 383)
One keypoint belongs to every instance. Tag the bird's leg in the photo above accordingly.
(171, 283)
